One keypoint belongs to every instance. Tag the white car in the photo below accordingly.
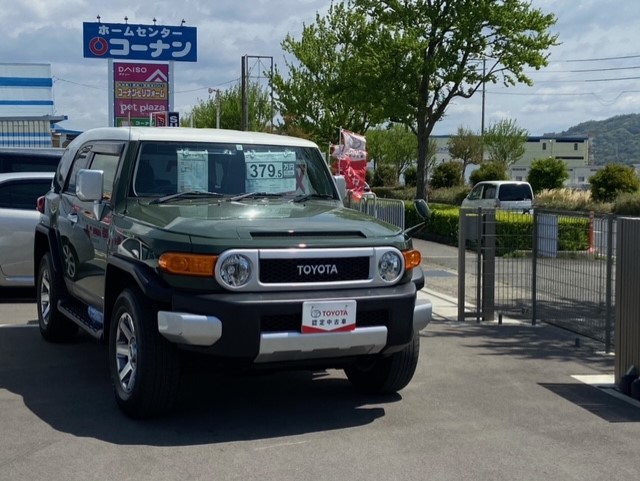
(19, 192)
(500, 194)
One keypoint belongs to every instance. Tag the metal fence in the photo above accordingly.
(388, 210)
(551, 266)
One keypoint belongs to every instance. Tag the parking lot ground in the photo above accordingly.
(488, 402)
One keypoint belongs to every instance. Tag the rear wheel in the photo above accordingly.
(144, 366)
(385, 375)
(54, 326)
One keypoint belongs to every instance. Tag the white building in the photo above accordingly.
(27, 111)
(575, 151)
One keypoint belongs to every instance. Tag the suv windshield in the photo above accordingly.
(165, 168)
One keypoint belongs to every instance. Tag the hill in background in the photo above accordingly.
(615, 140)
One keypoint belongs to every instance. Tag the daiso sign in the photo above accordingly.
(140, 90)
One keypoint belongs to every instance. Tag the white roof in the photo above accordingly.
(185, 134)
(5, 176)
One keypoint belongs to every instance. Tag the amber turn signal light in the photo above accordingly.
(187, 264)
(412, 259)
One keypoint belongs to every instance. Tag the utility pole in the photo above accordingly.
(218, 105)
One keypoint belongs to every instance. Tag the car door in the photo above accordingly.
(105, 156)
(18, 218)
(74, 243)
(83, 236)
(482, 195)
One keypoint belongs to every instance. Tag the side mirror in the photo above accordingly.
(89, 185)
(341, 184)
(423, 208)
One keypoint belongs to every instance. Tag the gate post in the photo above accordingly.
(489, 265)
(627, 330)
(462, 273)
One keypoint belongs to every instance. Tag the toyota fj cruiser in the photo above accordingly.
(232, 244)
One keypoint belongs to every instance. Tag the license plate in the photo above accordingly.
(328, 316)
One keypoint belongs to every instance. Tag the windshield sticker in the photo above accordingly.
(271, 172)
(193, 170)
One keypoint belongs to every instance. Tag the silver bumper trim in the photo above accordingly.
(291, 346)
(186, 328)
(421, 314)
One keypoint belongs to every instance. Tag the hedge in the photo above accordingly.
(513, 232)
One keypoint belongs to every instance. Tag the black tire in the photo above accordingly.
(54, 326)
(144, 366)
(385, 375)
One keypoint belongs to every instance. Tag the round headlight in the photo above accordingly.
(390, 266)
(235, 270)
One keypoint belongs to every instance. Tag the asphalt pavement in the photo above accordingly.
(488, 402)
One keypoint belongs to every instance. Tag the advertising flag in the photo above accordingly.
(352, 161)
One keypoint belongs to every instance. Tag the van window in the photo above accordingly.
(29, 160)
(514, 192)
(489, 192)
(23, 193)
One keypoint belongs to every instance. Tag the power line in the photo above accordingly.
(58, 79)
(594, 59)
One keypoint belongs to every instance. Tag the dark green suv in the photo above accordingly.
(232, 244)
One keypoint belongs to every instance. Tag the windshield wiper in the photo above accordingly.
(254, 195)
(302, 198)
(189, 194)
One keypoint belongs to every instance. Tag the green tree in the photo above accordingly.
(384, 176)
(410, 176)
(395, 146)
(549, 173)
(204, 115)
(467, 147)
(376, 60)
(612, 180)
(447, 174)
(505, 142)
(326, 86)
(489, 171)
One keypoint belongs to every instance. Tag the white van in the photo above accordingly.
(500, 194)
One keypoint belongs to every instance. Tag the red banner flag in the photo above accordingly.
(352, 161)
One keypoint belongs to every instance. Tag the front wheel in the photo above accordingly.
(385, 375)
(144, 366)
(54, 326)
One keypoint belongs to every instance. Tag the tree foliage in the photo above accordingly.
(326, 87)
(384, 176)
(369, 61)
(489, 171)
(447, 174)
(549, 173)
(465, 146)
(612, 180)
(395, 146)
(505, 142)
(204, 115)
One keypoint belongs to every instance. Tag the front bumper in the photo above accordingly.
(232, 325)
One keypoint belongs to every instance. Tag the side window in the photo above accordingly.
(108, 163)
(515, 192)
(23, 194)
(489, 192)
(476, 193)
(80, 162)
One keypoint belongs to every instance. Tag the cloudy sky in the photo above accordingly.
(593, 75)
